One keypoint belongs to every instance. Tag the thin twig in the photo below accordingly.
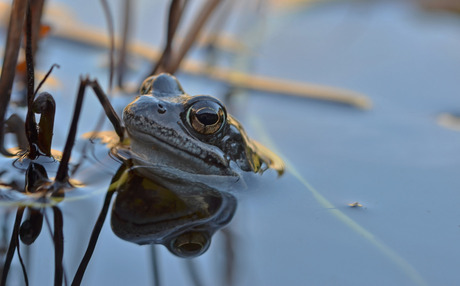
(192, 34)
(62, 172)
(109, 18)
(121, 64)
(36, 7)
(63, 168)
(31, 125)
(45, 78)
(10, 59)
(176, 10)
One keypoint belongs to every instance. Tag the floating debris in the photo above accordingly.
(449, 120)
(355, 205)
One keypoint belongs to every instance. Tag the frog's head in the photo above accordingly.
(191, 133)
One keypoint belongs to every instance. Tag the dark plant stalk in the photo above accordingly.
(46, 77)
(31, 125)
(12, 247)
(15, 124)
(62, 172)
(192, 34)
(176, 10)
(10, 59)
(109, 111)
(36, 7)
(121, 63)
(46, 107)
(109, 18)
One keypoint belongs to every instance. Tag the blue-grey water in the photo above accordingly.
(395, 160)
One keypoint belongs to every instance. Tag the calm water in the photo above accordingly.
(395, 160)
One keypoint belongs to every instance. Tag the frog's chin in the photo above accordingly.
(209, 160)
(172, 176)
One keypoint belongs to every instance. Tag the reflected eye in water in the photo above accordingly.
(206, 117)
(190, 244)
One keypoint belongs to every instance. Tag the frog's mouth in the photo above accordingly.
(160, 144)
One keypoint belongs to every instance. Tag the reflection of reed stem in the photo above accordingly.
(93, 240)
(193, 272)
(14, 241)
(58, 238)
(155, 268)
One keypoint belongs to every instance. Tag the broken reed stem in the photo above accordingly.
(127, 22)
(10, 59)
(176, 10)
(192, 34)
(31, 125)
(36, 7)
(288, 87)
(88, 35)
(109, 19)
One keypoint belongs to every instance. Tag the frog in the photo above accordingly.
(185, 134)
(183, 162)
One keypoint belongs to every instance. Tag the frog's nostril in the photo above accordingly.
(161, 109)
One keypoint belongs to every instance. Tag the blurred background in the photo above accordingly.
(361, 99)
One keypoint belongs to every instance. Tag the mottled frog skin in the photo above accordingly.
(184, 153)
(193, 134)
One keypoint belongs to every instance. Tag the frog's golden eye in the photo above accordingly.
(206, 117)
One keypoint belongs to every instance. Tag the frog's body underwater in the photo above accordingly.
(180, 135)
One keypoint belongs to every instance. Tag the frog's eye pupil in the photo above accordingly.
(206, 117)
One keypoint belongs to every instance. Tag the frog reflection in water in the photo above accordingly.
(185, 153)
(182, 218)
